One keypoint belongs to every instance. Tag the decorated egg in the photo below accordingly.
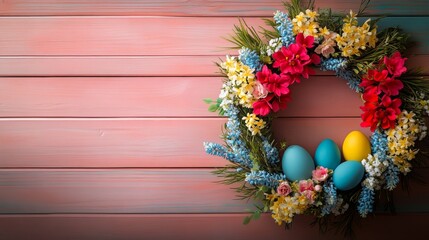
(348, 175)
(356, 146)
(297, 163)
(327, 154)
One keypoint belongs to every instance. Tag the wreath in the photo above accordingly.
(286, 180)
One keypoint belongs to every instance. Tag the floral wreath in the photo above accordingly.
(256, 85)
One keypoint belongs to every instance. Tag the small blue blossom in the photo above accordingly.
(271, 152)
(333, 64)
(379, 145)
(391, 175)
(366, 201)
(237, 152)
(263, 178)
(284, 26)
(216, 149)
(250, 58)
(330, 196)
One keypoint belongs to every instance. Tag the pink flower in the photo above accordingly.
(310, 195)
(259, 91)
(327, 46)
(278, 84)
(284, 189)
(318, 188)
(320, 174)
(306, 185)
(395, 64)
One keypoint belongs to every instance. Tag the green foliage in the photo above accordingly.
(333, 22)
(294, 7)
(246, 36)
(214, 105)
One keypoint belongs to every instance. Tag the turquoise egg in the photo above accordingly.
(327, 154)
(348, 175)
(297, 163)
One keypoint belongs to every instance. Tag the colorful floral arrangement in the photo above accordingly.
(257, 85)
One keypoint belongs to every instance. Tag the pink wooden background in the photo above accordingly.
(102, 120)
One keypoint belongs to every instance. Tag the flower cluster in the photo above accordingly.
(374, 168)
(381, 86)
(306, 23)
(402, 140)
(353, 38)
(238, 89)
(290, 199)
(284, 27)
(253, 123)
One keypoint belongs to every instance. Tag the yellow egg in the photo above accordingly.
(356, 146)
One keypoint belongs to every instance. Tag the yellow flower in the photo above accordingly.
(311, 14)
(355, 38)
(324, 31)
(253, 123)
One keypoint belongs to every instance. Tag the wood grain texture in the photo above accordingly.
(152, 142)
(197, 226)
(133, 66)
(135, 35)
(142, 191)
(194, 7)
(155, 97)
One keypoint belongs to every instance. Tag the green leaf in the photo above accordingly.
(247, 220)
(213, 108)
(256, 215)
(208, 100)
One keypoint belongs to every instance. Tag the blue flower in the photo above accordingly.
(392, 176)
(379, 145)
(263, 178)
(250, 58)
(237, 151)
(271, 152)
(333, 64)
(330, 196)
(284, 26)
(366, 201)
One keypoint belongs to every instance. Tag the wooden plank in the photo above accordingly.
(140, 191)
(196, 226)
(151, 142)
(135, 35)
(194, 7)
(154, 97)
(132, 66)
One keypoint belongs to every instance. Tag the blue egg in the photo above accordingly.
(297, 163)
(327, 154)
(348, 175)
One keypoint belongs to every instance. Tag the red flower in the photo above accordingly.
(383, 114)
(291, 59)
(391, 86)
(271, 103)
(263, 106)
(381, 81)
(395, 64)
(306, 42)
(278, 84)
(264, 74)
